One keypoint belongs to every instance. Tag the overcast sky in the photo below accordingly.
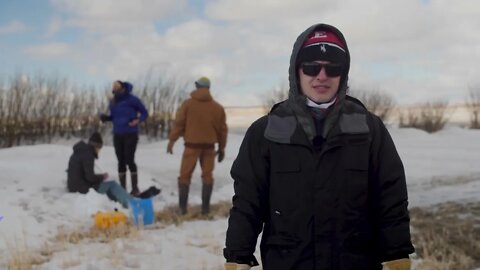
(417, 50)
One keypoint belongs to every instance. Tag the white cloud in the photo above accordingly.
(54, 26)
(411, 49)
(49, 50)
(116, 15)
(269, 11)
(193, 35)
(13, 27)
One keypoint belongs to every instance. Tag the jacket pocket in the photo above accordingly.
(356, 253)
(282, 241)
(355, 180)
(358, 243)
(356, 154)
(285, 182)
(280, 252)
(284, 165)
(281, 244)
(351, 261)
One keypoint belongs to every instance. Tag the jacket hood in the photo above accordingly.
(293, 77)
(297, 101)
(128, 91)
(201, 94)
(83, 147)
(128, 87)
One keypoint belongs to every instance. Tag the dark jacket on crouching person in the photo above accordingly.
(81, 176)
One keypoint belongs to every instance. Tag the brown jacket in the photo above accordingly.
(200, 120)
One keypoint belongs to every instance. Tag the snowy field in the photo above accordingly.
(34, 205)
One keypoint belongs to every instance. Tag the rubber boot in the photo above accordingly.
(183, 198)
(123, 180)
(206, 195)
(135, 191)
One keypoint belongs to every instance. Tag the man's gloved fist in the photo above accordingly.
(221, 155)
(235, 266)
(401, 264)
(104, 117)
(170, 147)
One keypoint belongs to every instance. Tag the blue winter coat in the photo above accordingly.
(125, 108)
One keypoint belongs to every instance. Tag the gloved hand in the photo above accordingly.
(134, 122)
(401, 264)
(104, 117)
(170, 147)
(221, 155)
(235, 266)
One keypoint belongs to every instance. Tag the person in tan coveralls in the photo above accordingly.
(202, 123)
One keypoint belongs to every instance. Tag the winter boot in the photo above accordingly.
(122, 179)
(183, 198)
(150, 192)
(134, 177)
(206, 195)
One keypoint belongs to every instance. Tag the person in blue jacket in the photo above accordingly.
(126, 112)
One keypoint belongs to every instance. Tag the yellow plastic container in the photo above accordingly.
(106, 220)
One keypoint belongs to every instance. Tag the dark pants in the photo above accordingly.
(125, 146)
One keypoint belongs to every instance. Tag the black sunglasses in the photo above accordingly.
(314, 68)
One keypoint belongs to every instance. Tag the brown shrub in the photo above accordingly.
(447, 236)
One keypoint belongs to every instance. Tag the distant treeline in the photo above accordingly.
(430, 116)
(37, 109)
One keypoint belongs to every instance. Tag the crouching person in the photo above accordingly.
(81, 176)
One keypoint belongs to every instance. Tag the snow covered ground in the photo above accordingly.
(440, 167)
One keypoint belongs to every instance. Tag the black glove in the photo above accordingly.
(105, 118)
(220, 155)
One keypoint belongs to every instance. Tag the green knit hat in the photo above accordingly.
(203, 82)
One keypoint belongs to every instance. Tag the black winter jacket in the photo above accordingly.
(339, 207)
(80, 172)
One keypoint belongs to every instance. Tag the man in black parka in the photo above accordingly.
(319, 174)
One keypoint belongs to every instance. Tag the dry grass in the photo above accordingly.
(21, 257)
(99, 235)
(447, 236)
(170, 215)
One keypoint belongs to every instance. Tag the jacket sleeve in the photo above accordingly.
(390, 197)
(178, 128)
(222, 130)
(140, 108)
(90, 176)
(250, 172)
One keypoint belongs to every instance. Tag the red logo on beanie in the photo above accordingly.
(324, 37)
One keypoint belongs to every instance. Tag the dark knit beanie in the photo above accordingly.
(96, 140)
(323, 46)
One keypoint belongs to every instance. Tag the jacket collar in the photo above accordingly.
(285, 126)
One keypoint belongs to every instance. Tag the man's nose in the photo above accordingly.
(322, 75)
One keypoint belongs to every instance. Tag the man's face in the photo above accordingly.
(117, 87)
(320, 87)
